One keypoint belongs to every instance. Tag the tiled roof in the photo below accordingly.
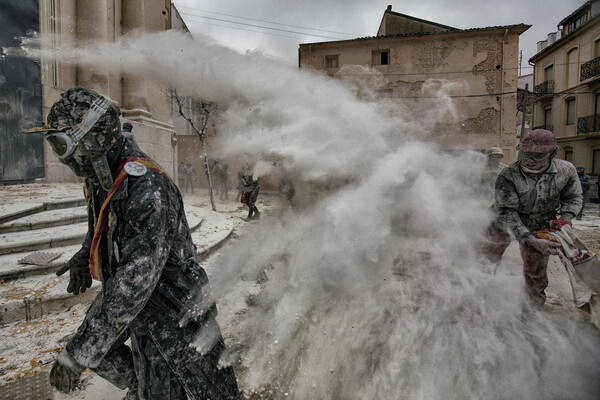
(524, 27)
(587, 3)
(560, 41)
(450, 28)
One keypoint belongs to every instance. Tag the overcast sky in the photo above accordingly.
(277, 27)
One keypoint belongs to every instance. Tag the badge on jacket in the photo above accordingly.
(135, 168)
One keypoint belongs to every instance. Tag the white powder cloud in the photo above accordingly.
(374, 289)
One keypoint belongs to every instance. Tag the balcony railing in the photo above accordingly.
(547, 127)
(544, 88)
(590, 69)
(589, 124)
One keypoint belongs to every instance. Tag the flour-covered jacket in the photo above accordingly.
(526, 203)
(148, 271)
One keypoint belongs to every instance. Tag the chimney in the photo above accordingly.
(389, 7)
(541, 45)
(551, 38)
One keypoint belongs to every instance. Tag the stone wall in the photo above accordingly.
(480, 65)
(141, 100)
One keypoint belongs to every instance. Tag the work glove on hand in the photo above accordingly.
(543, 246)
(79, 276)
(65, 372)
(558, 224)
(567, 218)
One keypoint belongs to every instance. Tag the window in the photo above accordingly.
(548, 118)
(597, 47)
(572, 68)
(570, 111)
(577, 23)
(381, 57)
(597, 104)
(385, 92)
(50, 28)
(332, 61)
(596, 162)
(549, 73)
(569, 154)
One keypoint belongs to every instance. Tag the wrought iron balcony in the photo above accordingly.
(547, 127)
(544, 88)
(589, 124)
(590, 69)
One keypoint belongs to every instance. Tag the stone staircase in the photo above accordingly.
(37, 315)
(57, 229)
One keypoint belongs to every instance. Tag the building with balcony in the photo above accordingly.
(567, 86)
(481, 65)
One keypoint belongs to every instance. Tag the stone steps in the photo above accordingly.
(29, 292)
(11, 268)
(214, 233)
(55, 234)
(35, 296)
(39, 239)
(46, 219)
(15, 211)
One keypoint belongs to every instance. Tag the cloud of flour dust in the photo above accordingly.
(374, 290)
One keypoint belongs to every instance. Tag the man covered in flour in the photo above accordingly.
(530, 194)
(139, 245)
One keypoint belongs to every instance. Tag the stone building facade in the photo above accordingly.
(410, 52)
(143, 101)
(567, 86)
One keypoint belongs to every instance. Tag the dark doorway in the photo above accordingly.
(21, 156)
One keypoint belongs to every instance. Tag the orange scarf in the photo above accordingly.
(95, 270)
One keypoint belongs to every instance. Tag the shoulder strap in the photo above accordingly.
(121, 174)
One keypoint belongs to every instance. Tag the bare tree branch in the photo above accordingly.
(207, 110)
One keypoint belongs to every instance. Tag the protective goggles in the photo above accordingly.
(64, 141)
(534, 156)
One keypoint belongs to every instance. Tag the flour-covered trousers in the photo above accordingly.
(170, 370)
(535, 264)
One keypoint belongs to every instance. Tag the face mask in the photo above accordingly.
(534, 156)
(80, 164)
(535, 167)
(83, 147)
(71, 163)
(64, 142)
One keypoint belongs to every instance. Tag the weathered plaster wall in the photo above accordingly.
(480, 65)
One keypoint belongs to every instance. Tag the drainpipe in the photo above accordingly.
(524, 112)
(502, 87)
(532, 97)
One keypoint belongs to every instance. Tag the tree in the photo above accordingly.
(205, 112)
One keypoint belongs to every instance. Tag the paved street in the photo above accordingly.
(38, 314)
(588, 229)
(35, 343)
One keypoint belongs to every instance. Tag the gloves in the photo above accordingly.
(559, 223)
(542, 246)
(65, 372)
(79, 276)
(567, 218)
